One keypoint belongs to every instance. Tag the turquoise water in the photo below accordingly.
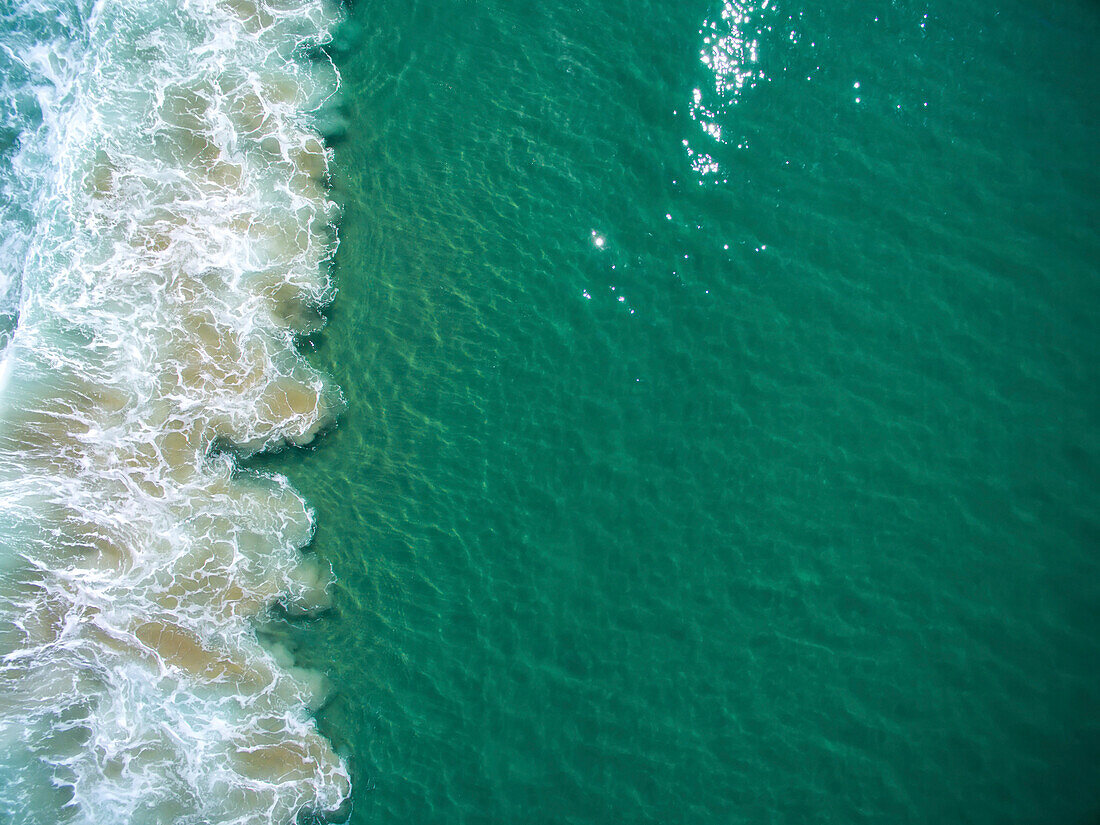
(778, 506)
(720, 441)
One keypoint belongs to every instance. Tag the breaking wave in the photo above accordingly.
(166, 236)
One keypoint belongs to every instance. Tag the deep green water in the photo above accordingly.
(801, 530)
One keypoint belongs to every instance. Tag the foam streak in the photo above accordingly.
(177, 238)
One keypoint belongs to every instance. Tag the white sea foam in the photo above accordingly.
(167, 235)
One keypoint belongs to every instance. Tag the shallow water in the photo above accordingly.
(170, 240)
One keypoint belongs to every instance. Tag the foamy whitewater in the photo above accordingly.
(166, 235)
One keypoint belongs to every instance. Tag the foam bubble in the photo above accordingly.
(168, 236)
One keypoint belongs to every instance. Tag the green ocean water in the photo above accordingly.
(727, 457)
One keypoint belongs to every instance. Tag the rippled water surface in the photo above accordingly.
(721, 428)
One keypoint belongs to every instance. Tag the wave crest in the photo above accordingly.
(180, 240)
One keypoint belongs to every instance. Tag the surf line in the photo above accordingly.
(180, 245)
